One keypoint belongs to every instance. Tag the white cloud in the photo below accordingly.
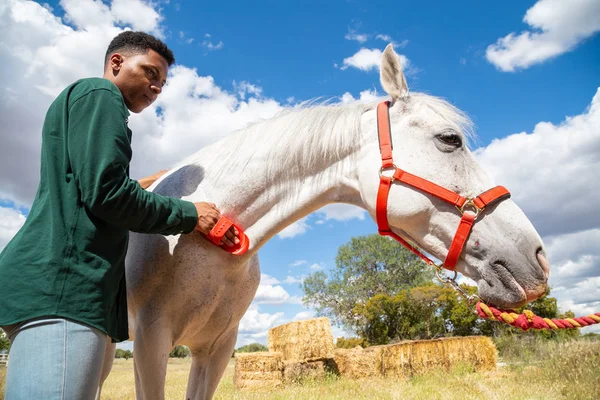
(186, 39)
(302, 315)
(268, 280)
(292, 279)
(556, 27)
(565, 247)
(295, 229)
(298, 263)
(316, 267)
(370, 59)
(364, 59)
(254, 321)
(271, 294)
(41, 56)
(11, 221)
(366, 96)
(385, 38)
(342, 212)
(244, 88)
(255, 325)
(551, 172)
(208, 44)
(85, 14)
(359, 37)
(140, 15)
(347, 98)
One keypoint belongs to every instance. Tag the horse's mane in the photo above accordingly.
(309, 133)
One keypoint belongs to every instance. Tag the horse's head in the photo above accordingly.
(504, 253)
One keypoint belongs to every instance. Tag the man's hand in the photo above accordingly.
(208, 216)
(149, 180)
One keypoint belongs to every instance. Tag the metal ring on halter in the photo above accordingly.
(469, 206)
(445, 279)
(382, 169)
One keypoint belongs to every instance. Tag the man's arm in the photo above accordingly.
(100, 152)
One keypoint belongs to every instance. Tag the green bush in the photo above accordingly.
(252, 348)
(350, 343)
(180, 352)
(126, 354)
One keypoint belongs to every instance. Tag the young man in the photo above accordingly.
(62, 285)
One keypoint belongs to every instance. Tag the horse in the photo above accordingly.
(183, 289)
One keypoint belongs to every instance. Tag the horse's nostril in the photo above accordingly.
(543, 262)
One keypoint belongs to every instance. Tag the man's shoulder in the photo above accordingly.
(86, 86)
(100, 88)
(91, 86)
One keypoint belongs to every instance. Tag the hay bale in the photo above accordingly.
(395, 359)
(416, 357)
(478, 351)
(309, 340)
(258, 370)
(297, 372)
(358, 362)
(428, 355)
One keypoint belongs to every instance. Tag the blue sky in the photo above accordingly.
(524, 71)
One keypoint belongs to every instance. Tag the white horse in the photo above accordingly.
(185, 290)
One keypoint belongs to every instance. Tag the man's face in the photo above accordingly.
(140, 77)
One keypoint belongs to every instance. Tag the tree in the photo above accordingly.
(410, 314)
(460, 317)
(365, 267)
(180, 352)
(252, 348)
(126, 354)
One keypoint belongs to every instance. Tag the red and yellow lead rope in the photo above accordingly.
(528, 320)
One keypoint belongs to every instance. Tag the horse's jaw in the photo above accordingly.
(503, 255)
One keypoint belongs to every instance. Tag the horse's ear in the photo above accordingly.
(391, 76)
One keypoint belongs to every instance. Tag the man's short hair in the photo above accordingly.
(138, 43)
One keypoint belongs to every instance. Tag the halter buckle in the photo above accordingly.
(469, 205)
(389, 167)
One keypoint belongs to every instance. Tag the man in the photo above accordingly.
(62, 291)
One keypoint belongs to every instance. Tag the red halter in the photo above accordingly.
(470, 208)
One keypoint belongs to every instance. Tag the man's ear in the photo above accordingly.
(116, 61)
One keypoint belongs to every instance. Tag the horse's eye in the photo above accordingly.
(449, 138)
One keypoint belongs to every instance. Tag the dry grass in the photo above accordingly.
(566, 371)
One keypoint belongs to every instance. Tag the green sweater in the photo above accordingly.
(68, 259)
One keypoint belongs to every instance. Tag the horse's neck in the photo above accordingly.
(276, 172)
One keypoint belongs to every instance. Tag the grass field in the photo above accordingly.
(536, 370)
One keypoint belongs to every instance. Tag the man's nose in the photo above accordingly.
(156, 89)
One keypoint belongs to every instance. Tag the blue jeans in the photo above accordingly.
(54, 359)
